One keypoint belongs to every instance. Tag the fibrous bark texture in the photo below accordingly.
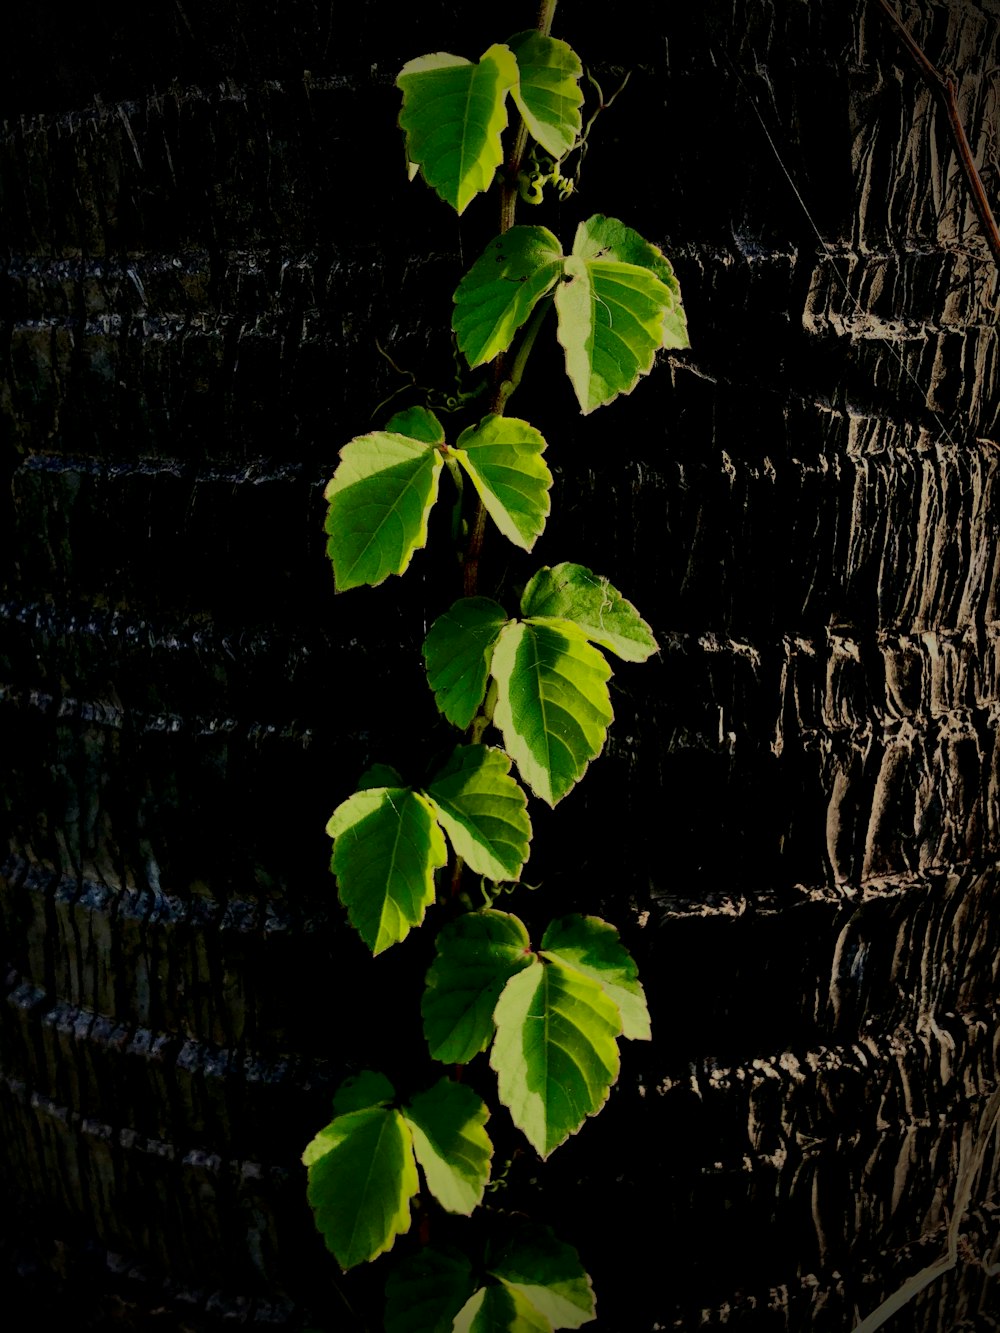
(215, 270)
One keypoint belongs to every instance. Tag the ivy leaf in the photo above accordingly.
(483, 811)
(387, 845)
(592, 946)
(362, 1091)
(362, 1177)
(503, 457)
(451, 1144)
(548, 93)
(572, 592)
(458, 651)
(477, 954)
(500, 1309)
(453, 114)
(379, 500)
(553, 705)
(425, 1292)
(607, 237)
(549, 1273)
(379, 775)
(501, 290)
(418, 423)
(555, 1053)
(613, 312)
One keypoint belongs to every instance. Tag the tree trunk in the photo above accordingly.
(795, 823)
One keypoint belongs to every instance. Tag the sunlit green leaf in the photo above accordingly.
(548, 93)
(614, 313)
(457, 653)
(451, 1144)
(418, 423)
(453, 114)
(387, 845)
(500, 1309)
(553, 705)
(362, 1177)
(504, 285)
(483, 811)
(477, 954)
(361, 1091)
(572, 592)
(593, 947)
(379, 500)
(503, 456)
(425, 1292)
(555, 1052)
(549, 1273)
(607, 238)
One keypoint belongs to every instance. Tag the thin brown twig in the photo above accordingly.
(945, 89)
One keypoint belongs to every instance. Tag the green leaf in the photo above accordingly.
(458, 651)
(379, 775)
(451, 1144)
(502, 288)
(572, 592)
(362, 1177)
(553, 705)
(379, 500)
(503, 456)
(548, 93)
(549, 1273)
(477, 954)
(453, 114)
(614, 311)
(554, 1053)
(592, 946)
(387, 845)
(500, 1309)
(362, 1091)
(483, 811)
(417, 423)
(425, 1292)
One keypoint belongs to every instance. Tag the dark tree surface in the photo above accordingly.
(208, 231)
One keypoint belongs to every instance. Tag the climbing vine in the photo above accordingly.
(551, 1011)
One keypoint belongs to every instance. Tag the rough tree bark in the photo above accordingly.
(803, 793)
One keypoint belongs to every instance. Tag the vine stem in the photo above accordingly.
(945, 89)
(504, 386)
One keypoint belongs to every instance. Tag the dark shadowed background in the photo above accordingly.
(209, 236)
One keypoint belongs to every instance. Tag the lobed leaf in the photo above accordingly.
(379, 501)
(615, 311)
(362, 1177)
(458, 651)
(418, 423)
(500, 1309)
(592, 946)
(549, 1273)
(553, 705)
(387, 846)
(362, 1091)
(499, 292)
(503, 457)
(555, 1053)
(572, 592)
(453, 115)
(483, 811)
(451, 1144)
(425, 1292)
(477, 954)
(548, 92)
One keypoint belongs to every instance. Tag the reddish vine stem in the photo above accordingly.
(508, 206)
(944, 88)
